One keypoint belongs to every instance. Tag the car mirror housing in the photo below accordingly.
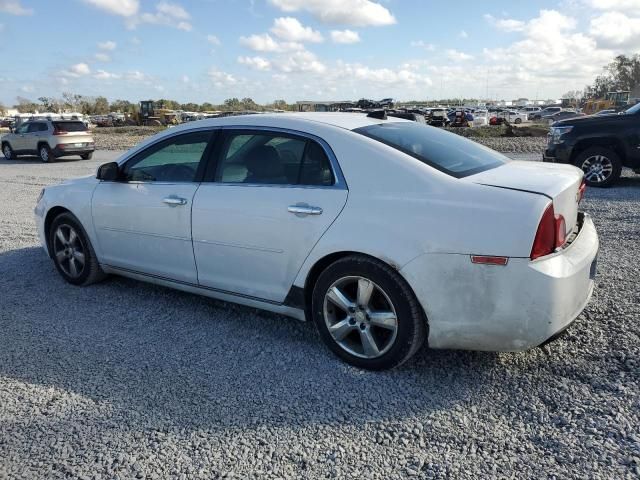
(108, 172)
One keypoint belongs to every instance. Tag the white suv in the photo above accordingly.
(49, 139)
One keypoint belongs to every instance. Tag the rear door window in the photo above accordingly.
(270, 158)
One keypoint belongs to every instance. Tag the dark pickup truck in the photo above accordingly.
(599, 145)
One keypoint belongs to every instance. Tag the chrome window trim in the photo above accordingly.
(339, 184)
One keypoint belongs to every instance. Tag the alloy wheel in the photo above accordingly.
(44, 154)
(7, 152)
(69, 251)
(597, 168)
(360, 317)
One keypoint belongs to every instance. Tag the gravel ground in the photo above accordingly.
(122, 138)
(127, 380)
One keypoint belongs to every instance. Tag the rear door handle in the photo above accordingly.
(174, 201)
(304, 210)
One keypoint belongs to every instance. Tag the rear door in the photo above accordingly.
(36, 133)
(270, 197)
(143, 220)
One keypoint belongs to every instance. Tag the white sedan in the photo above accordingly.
(513, 116)
(384, 232)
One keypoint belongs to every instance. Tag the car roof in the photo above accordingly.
(348, 121)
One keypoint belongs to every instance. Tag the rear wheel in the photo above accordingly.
(86, 156)
(601, 166)
(8, 152)
(72, 252)
(44, 152)
(367, 314)
(518, 121)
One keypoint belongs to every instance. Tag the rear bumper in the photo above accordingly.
(65, 151)
(504, 308)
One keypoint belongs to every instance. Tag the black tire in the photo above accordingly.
(87, 156)
(518, 121)
(607, 158)
(45, 154)
(91, 271)
(411, 324)
(8, 151)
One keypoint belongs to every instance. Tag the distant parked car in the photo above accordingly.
(546, 111)
(512, 116)
(561, 116)
(438, 117)
(49, 139)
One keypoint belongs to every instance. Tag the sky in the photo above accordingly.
(210, 50)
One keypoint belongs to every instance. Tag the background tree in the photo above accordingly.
(623, 73)
(25, 105)
(3, 109)
(207, 107)
(123, 106)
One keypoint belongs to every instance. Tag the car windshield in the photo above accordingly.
(70, 126)
(445, 151)
(634, 109)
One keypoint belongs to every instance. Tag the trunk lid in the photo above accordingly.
(559, 182)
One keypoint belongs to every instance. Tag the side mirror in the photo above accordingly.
(109, 172)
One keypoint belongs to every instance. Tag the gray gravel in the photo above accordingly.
(127, 380)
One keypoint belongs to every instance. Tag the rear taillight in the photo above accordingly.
(58, 132)
(545, 241)
(551, 233)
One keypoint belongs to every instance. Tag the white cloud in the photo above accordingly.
(27, 88)
(344, 36)
(631, 6)
(125, 8)
(458, 56)
(77, 70)
(185, 79)
(616, 30)
(102, 57)
(551, 55)
(300, 61)
(222, 79)
(14, 7)
(505, 24)
(257, 63)
(109, 45)
(265, 43)
(167, 14)
(104, 75)
(358, 13)
(213, 40)
(463, 34)
(137, 76)
(430, 47)
(290, 29)
(385, 77)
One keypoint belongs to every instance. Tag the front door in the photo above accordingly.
(143, 220)
(272, 197)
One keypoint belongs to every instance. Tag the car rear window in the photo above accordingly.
(444, 151)
(70, 126)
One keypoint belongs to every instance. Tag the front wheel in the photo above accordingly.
(366, 313)
(602, 167)
(86, 156)
(518, 121)
(72, 252)
(7, 151)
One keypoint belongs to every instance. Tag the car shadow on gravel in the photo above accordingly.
(169, 358)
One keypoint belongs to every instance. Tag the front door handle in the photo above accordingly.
(174, 201)
(304, 210)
